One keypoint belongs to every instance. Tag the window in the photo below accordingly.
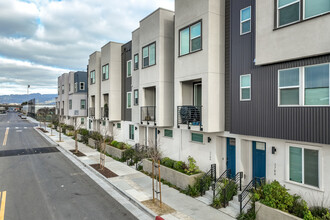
(82, 86)
(75, 87)
(82, 121)
(197, 137)
(288, 11)
(316, 7)
(118, 125)
(103, 123)
(105, 72)
(70, 104)
(136, 97)
(129, 100)
(307, 86)
(136, 61)
(304, 165)
(82, 104)
(198, 94)
(62, 89)
(246, 20)
(92, 77)
(129, 68)
(149, 55)
(131, 132)
(245, 87)
(69, 87)
(168, 133)
(190, 38)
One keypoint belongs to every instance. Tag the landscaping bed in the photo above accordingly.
(43, 130)
(105, 172)
(79, 154)
(113, 151)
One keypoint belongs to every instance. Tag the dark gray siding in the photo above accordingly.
(126, 82)
(261, 116)
(81, 77)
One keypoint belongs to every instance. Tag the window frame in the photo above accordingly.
(82, 121)
(168, 130)
(70, 104)
(131, 128)
(130, 75)
(245, 87)
(104, 74)
(137, 63)
(304, 12)
(143, 67)
(302, 86)
(92, 77)
(241, 22)
(136, 100)
(320, 167)
(128, 107)
(84, 104)
(191, 138)
(179, 38)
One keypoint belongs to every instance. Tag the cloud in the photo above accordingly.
(62, 34)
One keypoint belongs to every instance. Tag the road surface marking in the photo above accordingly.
(18, 130)
(16, 127)
(5, 139)
(3, 205)
(25, 127)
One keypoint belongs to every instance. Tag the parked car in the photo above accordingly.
(23, 116)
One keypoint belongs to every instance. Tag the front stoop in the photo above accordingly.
(233, 208)
(207, 198)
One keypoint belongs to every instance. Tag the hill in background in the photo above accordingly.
(19, 98)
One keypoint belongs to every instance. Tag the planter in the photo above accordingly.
(114, 151)
(69, 131)
(177, 178)
(79, 137)
(265, 212)
(92, 142)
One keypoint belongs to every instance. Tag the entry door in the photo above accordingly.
(259, 159)
(231, 156)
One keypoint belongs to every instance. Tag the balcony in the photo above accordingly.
(148, 114)
(190, 115)
(105, 112)
(91, 111)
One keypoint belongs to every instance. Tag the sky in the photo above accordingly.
(41, 39)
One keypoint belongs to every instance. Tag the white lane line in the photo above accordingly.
(25, 127)
(18, 130)
(16, 127)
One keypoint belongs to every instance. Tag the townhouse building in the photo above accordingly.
(277, 94)
(104, 73)
(71, 103)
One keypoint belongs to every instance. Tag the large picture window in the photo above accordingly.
(190, 38)
(105, 72)
(307, 86)
(245, 20)
(304, 165)
(149, 55)
(245, 87)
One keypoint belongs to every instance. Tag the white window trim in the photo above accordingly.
(83, 84)
(277, 13)
(241, 22)
(320, 165)
(136, 55)
(301, 87)
(129, 61)
(197, 142)
(172, 134)
(127, 100)
(245, 87)
(81, 105)
(129, 132)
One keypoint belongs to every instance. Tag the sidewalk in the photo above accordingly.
(137, 186)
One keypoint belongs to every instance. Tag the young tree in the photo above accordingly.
(77, 126)
(105, 134)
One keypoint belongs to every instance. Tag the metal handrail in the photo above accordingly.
(189, 115)
(224, 175)
(211, 173)
(253, 184)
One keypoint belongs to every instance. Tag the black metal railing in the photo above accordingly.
(244, 198)
(148, 113)
(105, 112)
(91, 111)
(225, 175)
(190, 115)
(208, 180)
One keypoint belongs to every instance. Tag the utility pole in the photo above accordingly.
(27, 110)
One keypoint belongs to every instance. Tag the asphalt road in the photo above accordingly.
(41, 183)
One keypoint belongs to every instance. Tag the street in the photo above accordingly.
(39, 182)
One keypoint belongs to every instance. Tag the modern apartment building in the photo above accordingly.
(277, 94)
(152, 77)
(71, 102)
(104, 94)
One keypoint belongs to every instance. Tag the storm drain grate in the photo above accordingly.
(20, 152)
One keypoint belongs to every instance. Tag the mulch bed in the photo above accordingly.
(154, 206)
(79, 154)
(105, 172)
(43, 130)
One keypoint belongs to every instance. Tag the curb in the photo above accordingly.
(72, 157)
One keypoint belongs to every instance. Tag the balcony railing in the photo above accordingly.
(190, 115)
(148, 113)
(91, 111)
(105, 112)
(62, 111)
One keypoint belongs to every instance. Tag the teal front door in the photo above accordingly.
(259, 159)
(231, 156)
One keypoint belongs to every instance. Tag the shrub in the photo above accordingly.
(226, 192)
(69, 134)
(83, 132)
(179, 166)
(96, 136)
(299, 207)
(167, 162)
(69, 127)
(320, 212)
(192, 168)
(114, 143)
